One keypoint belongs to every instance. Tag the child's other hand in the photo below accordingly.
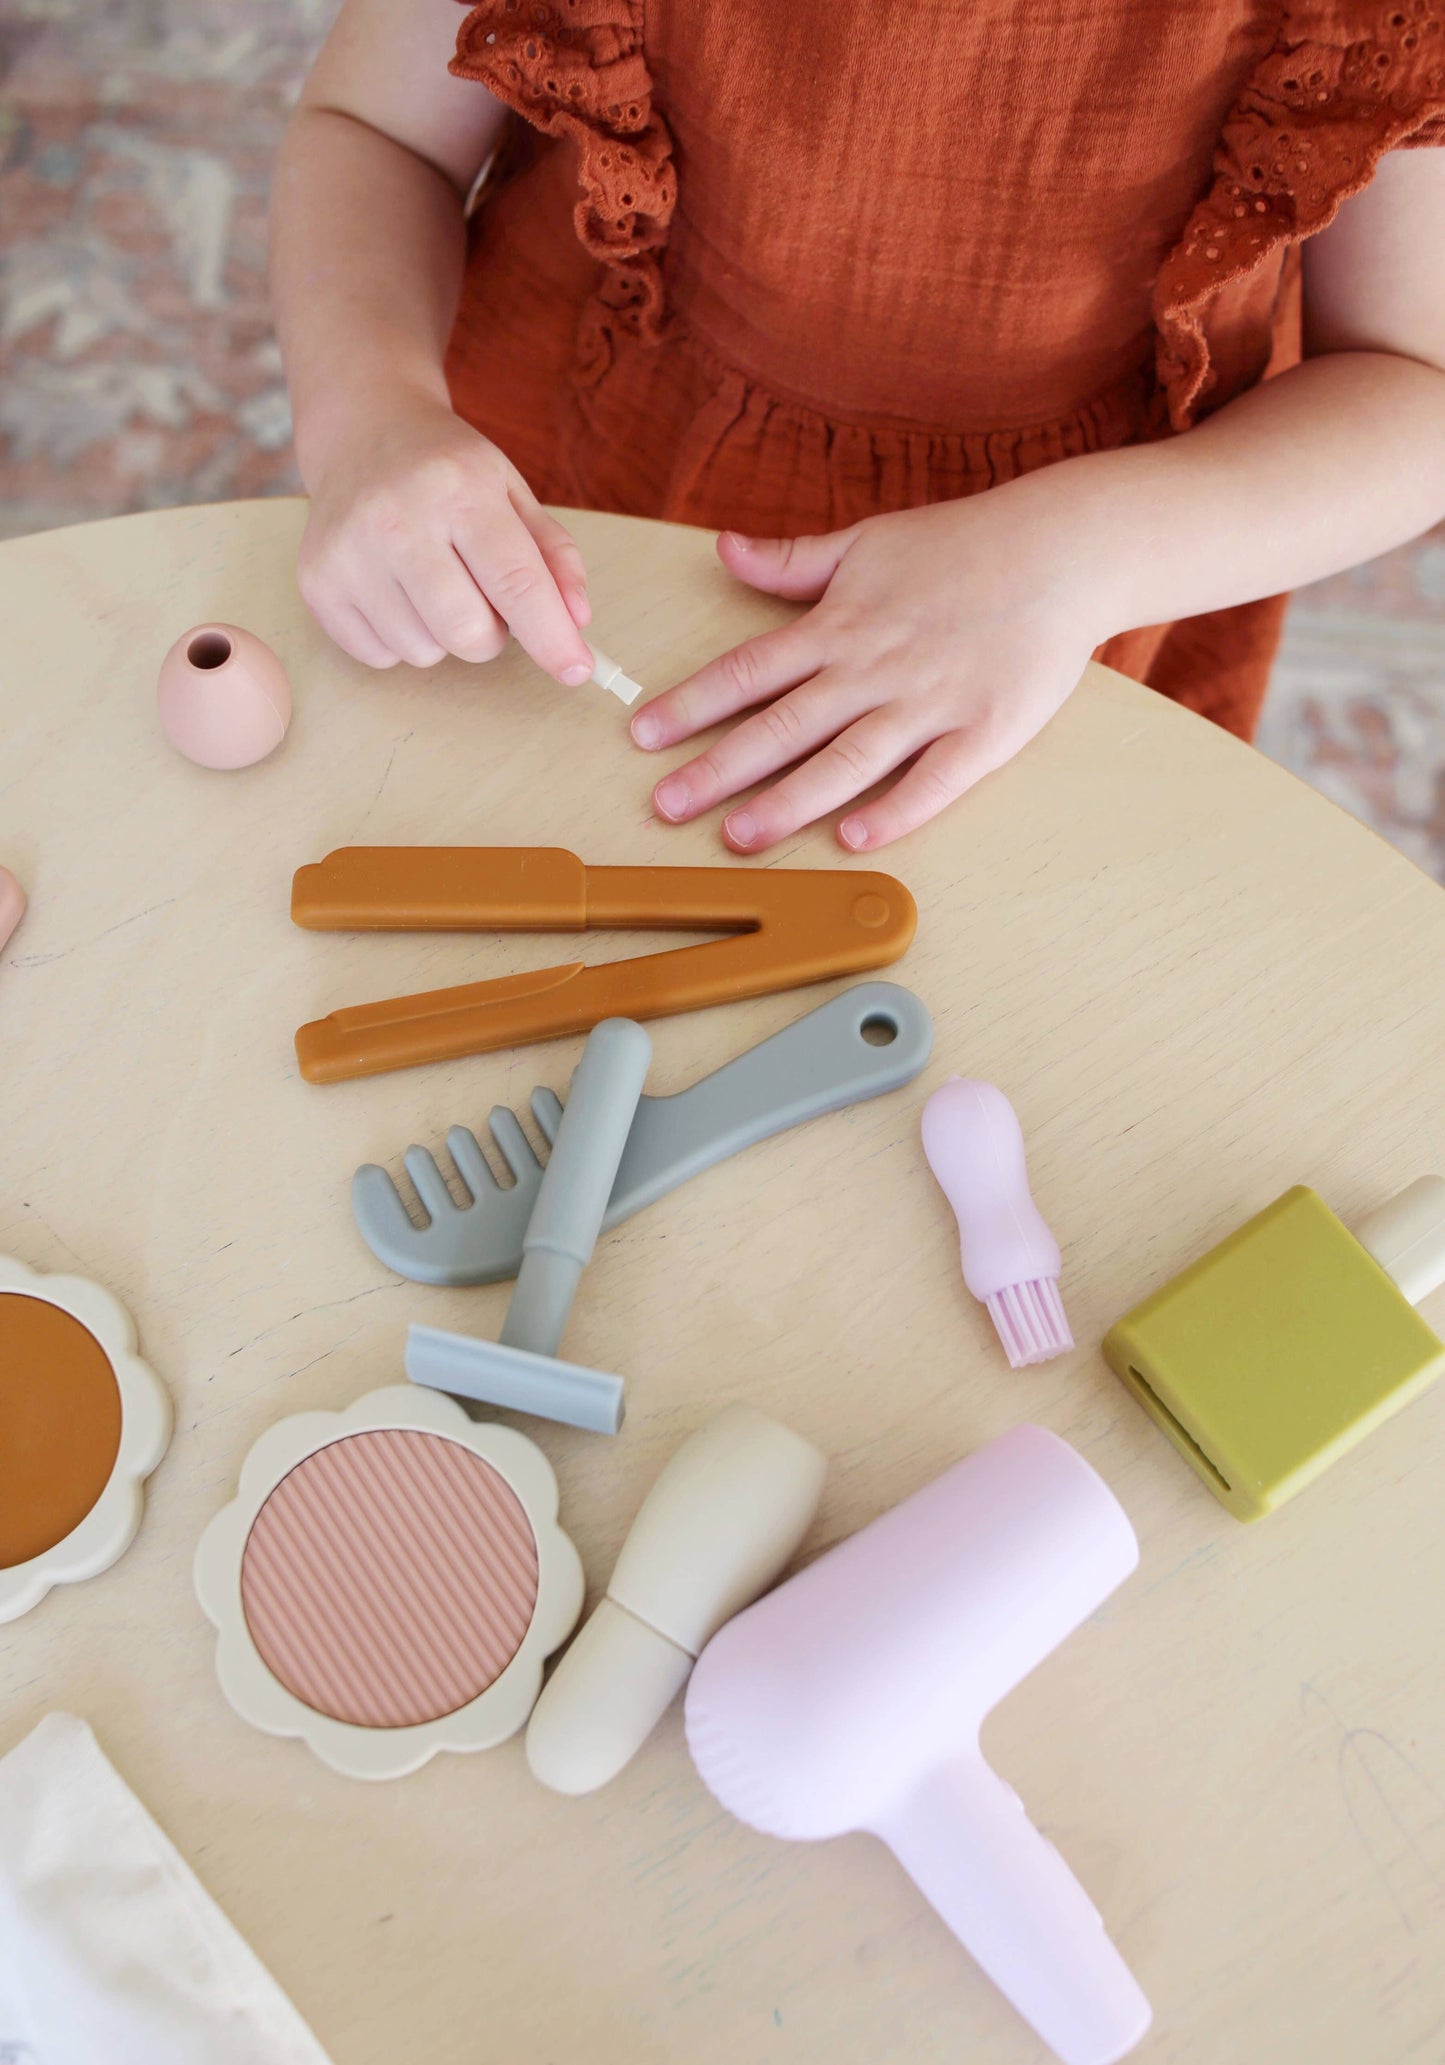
(941, 637)
(424, 540)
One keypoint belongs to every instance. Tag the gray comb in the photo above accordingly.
(875, 1037)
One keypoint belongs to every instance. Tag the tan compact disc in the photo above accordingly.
(83, 1422)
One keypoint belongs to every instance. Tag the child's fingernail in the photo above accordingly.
(672, 796)
(853, 832)
(736, 538)
(575, 676)
(646, 729)
(741, 828)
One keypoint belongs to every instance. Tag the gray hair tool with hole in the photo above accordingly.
(521, 1370)
(873, 1038)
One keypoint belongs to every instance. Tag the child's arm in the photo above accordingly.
(422, 538)
(954, 633)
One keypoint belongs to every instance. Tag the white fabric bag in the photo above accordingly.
(111, 1951)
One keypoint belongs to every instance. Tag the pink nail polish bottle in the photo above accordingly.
(224, 698)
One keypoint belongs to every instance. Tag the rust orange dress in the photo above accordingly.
(777, 265)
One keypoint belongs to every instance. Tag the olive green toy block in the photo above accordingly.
(1277, 1351)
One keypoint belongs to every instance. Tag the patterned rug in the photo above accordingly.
(138, 369)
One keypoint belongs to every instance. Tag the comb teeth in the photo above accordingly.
(1030, 1321)
(431, 1186)
(473, 1237)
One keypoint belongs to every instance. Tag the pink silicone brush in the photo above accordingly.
(1011, 1263)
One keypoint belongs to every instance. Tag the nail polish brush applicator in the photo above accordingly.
(607, 674)
(1011, 1261)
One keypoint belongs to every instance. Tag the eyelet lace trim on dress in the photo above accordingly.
(1308, 131)
(576, 68)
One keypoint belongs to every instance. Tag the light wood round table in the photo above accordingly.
(1198, 981)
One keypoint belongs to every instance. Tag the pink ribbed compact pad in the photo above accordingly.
(390, 1578)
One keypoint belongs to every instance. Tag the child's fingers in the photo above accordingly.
(356, 636)
(449, 603)
(342, 620)
(753, 672)
(507, 565)
(937, 778)
(562, 553)
(771, 739)
(854, 760)
(799, 568)
(393, 616)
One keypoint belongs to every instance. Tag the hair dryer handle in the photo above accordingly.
(966, 1842)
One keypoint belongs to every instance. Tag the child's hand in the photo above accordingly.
(423, 540)
(945, 636)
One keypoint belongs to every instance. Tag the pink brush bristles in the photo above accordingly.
(1031, 1321)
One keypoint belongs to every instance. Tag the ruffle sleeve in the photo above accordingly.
(1343, 84)
(576, 69)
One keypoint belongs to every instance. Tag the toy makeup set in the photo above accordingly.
(390, 1580)
(319, 1576)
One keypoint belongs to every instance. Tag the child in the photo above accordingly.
(818, 273)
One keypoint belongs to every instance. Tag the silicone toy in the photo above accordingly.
(512, 1381)
(874, 1038)
(975, 1148)
(720, 1524)
(607, 674)
(85, 1422)
(225, 701)
(326, 1614)
(1406, 1236)
(521, 1370)
(12, 904)
(852, 1697)
(787, 927)
(1271, 1356)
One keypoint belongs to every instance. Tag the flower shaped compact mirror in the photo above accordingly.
(83, 1422)
(388, 1582)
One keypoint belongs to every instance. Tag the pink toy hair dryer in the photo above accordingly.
(852, 1698)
